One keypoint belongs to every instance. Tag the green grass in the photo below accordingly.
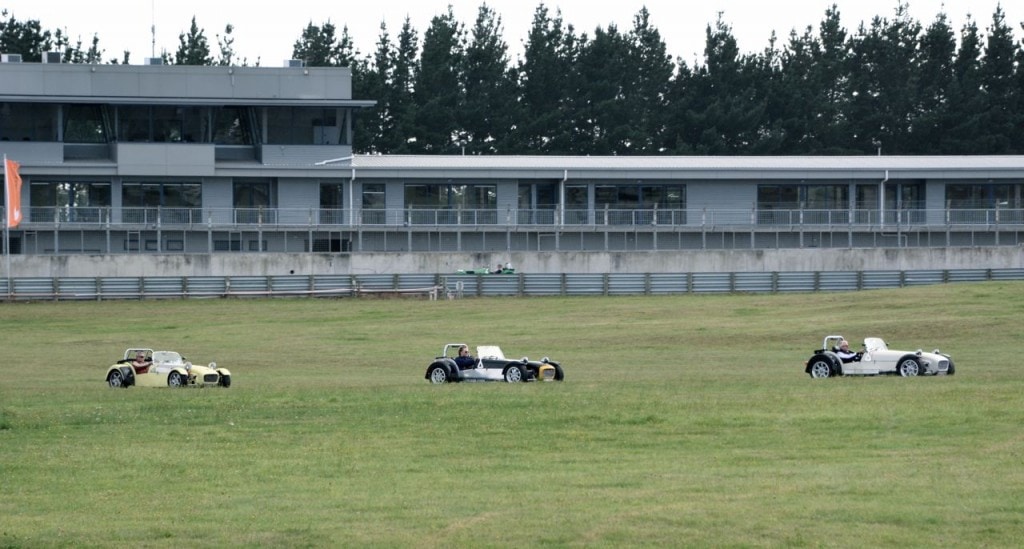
(683, 420)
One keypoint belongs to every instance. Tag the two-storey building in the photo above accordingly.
(182, 160)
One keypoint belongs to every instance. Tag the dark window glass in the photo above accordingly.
(164, 202)
(84, 124)
(28, 122)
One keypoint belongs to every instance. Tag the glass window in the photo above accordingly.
(133, 124)
(537, 202)
(577, 204)
(180, 125)
(449, 203)
(451, 196)
(164, 202)
(811, 197)
(374, 203)
(233, 126)
(252, 194)
(778, 204)
(867, 197)
(84, 124)
(28, 122)
(987, 195)
(373, 195)
(778, 197)
(576, 196)
(254, 201)
(306, 126)
(332, 202)
(827, 197)
(69, 201)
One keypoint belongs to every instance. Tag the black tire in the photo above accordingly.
(225, 381)
(116, 379)
(560, 375)
(174, 379)
(516, 373)
(820, 367)
(951, 370)
(437, 374)
(909, 366)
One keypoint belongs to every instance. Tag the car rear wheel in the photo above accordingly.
(225, 381)
(820, 367)
(116, 379)
(515, 374)
(909, 366)
(438, 375)
(174, 379)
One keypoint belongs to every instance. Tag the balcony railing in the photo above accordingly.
(681, 219)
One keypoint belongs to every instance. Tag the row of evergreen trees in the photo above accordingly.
(893, 87)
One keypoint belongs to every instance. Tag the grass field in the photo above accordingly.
(683, 421)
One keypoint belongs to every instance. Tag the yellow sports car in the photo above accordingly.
(149, 368)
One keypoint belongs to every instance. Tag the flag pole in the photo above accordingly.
(7, 230)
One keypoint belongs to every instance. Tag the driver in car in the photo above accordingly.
(845, 354)
(465, 360)
(141, 364)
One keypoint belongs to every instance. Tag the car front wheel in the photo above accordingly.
(820, 368)
(951, 370)
(116, 379)
(174, 379)
(515, 374)
(909, 367)
(438, 375)
(225, 381)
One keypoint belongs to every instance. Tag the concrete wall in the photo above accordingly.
(273, 264)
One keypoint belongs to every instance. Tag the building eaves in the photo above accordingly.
(719, 167)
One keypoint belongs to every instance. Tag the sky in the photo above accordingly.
(267, 31)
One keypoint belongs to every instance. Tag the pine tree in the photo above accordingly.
(487, 115)
(547, 85)
(400, 99)
(967, 104)
(933, 121)
(193, 48)
(885, 75)
(1002, 118)
(647, 93)
(318, 46)
(438, 93)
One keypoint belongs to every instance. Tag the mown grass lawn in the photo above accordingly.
(683, 421)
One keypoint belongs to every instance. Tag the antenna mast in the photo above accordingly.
(152, 28)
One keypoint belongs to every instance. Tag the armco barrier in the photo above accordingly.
(434, 286)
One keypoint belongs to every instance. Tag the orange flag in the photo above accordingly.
(13, 180)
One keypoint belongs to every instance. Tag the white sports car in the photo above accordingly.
(876, 358)
(491, 365)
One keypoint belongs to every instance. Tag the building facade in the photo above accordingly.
(180, 160)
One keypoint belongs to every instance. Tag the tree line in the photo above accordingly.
(893, 86)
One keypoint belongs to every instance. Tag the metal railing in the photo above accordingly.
(433, 286)
(194, 217)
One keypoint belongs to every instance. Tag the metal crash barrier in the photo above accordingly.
(453, 286)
